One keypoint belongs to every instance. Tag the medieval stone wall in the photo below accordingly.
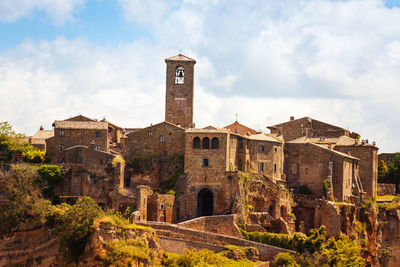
(160, 207)
(160, 139)
(368, 165)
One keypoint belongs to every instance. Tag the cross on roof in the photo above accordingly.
(236, 115)
(180, 51)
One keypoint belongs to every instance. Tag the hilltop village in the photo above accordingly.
(303, 174)
(305, 157)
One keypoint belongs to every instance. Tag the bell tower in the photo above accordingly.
(179, 90)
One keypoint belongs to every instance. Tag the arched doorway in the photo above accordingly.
(205, 202)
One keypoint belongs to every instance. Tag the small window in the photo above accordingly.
(206, 143)
(162, 140)
(82, 136)
(162, 207)
(261, 149)
(275, 149)
(97, 148)
(61, 133)
(149, 133)
(261, 166)
(97, 133)
(61, 147)
(206, 162)
(275, 168)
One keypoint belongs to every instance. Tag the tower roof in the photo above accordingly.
(180, 57)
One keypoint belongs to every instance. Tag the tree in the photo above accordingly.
(382, 171)
(14, 145)
(393, 175)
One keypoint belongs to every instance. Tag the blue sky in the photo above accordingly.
(336, 61)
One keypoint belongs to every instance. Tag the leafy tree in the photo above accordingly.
(76, 227)
(382, 171)
(50, 177)
(13, 144)
(23, 202)
(393, 175)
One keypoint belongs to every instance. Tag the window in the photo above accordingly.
(196, 143)
(261, 149)
(214, 143)
(61, 147)
(82, 136)
(97, 133)
(61, 133)
(241, 143)
(179, 75)
(97, 148)
(149, 133)
(206, 143)
(162, 207)
(275, 149)
(206, 162)
(275, 168)
(261, 166)
(162, 139)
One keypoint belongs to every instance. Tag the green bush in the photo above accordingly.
(286, 260)
(24, 203)
(203, 257)
(76, 227)
(50, 177)
(128, 252)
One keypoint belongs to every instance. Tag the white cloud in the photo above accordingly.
(58, 11)
(335, 61)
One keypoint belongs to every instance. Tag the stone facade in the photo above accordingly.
(307, 165)
(163, 139)
(179, 91)
(160, 207)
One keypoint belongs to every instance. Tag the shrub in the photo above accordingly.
(76, 227)
(285, 259)
(128, 252)
(385, 254)
(50, 177)
(202, 258)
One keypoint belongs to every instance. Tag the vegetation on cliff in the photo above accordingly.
(315, 249)
(14, 146)
(390, 173)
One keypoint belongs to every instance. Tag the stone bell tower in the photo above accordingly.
(179, 90)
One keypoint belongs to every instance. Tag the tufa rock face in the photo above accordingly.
(29, 245)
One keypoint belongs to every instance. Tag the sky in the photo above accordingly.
(335, 61)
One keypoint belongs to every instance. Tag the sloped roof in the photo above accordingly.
(155, 125)
(218, 130)
(40, 136)
(335, 152)
(97, 125)
(309, 120)
(180, 57)
(263, 137)
(236, 127)
(79, 118)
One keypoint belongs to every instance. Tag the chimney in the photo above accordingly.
(348, 153)
(366, 141)
(291, 118)
(41, 127)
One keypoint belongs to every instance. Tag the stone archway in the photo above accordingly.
(205, 202)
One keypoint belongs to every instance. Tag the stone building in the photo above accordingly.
(307, 165)
(81, 130)
(38, 140)
(308, 130)
(163, 139)
(179, 90)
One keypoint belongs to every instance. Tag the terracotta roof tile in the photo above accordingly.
(180, 57)
(236, 127)
(97, 125)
